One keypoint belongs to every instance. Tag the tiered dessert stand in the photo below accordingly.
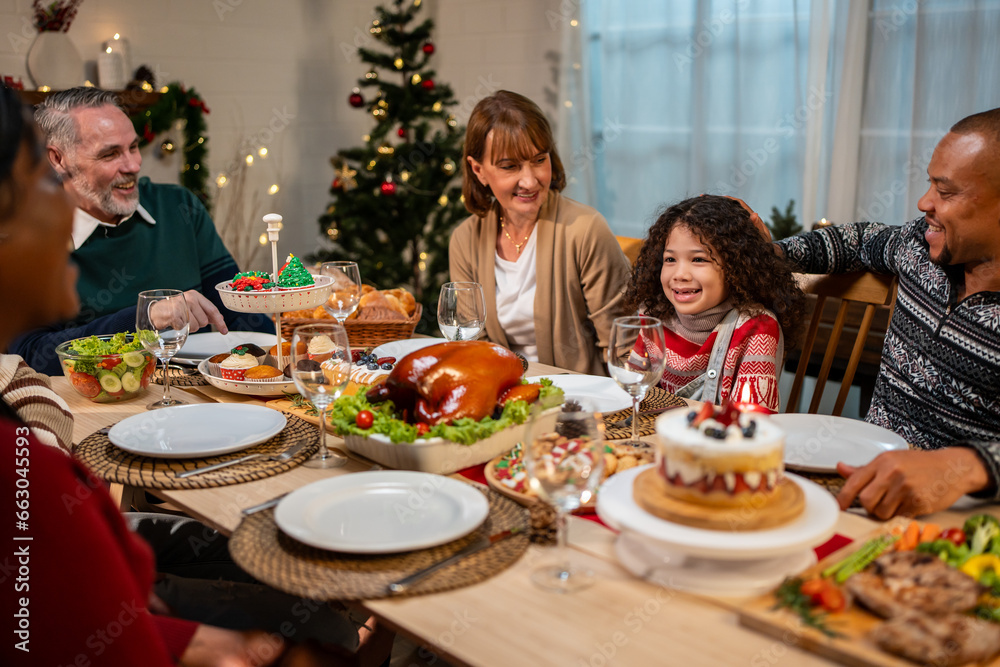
(714, 562)
(277, 301)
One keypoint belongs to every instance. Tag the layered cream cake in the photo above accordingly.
(720, 458)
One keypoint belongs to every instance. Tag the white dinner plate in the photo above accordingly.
(617, 507)
(401, 348)
(204, 345)
(606, 395)
(816, 443)
(383, 511)
(193, 431)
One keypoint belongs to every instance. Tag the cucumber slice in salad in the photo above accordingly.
(134, 359)
(109, 381)
(130, 383)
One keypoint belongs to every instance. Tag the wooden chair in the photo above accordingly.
(863, 290)
(630, 246)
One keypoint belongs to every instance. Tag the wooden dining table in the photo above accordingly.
(507, 620)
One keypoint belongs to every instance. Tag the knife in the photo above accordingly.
(478, 545)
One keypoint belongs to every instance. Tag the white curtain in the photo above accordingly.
(931, 63)
(831, 103)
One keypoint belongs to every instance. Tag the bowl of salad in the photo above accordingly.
(107, 369)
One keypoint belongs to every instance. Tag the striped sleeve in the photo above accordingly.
(30, 395)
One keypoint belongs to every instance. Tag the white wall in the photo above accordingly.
(285, 68)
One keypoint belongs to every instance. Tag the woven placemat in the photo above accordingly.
(180, 377)
(116, 465)
(262, 550)
(656, 398)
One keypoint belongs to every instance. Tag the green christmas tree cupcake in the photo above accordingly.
(293, 275)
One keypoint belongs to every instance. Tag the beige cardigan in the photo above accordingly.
(581, 274)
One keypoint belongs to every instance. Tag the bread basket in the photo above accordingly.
(362, 333)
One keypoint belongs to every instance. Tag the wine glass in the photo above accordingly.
(161, 322)
(346, 292)
(636, 358)
(564, 459)
(461, 311)
(321, 366)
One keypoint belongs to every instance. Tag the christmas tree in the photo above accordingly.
(397, 198)
(784, 224)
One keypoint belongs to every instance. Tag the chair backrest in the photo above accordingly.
(630, 246)
(870, 290)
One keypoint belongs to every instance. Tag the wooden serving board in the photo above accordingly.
(285, 405)
(523, 498)
(853, 646)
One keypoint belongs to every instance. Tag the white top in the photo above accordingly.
(84, 224)
(515, 297)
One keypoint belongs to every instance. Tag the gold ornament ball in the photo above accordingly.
(398, 63)
(415, 79)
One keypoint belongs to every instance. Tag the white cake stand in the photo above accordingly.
(714, 562)
(278, 301)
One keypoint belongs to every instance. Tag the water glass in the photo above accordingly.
(162, 323)
(461, 311)
(346, 292)
(321, 367)
(564, 459)
(636, 359)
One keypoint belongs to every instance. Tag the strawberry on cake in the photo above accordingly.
(721, 458)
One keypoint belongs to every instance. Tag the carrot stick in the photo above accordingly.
(930, 533)
(908, 542)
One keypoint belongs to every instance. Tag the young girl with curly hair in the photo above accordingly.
(727, 301)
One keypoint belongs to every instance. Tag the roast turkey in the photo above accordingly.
(447, 381)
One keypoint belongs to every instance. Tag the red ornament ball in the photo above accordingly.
(388, 188)
(428, 84)
(401, 132)
(428, 48)
(356, 100)
(335, 184)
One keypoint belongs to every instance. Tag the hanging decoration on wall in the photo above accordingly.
(179, 103)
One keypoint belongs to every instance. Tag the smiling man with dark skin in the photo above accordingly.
(939, 380)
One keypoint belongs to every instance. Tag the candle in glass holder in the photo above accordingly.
(113, 63)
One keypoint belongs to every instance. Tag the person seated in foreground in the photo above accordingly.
(552, 272)
(699, 271)
(88, 598)
(129, 234)
(938, 384)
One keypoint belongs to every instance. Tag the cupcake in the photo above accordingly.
(321, 348)
(286, 353)
(235, 366)
(212, 366)
(252, 281)
(255, 351)
(293, 275)
(262, 373)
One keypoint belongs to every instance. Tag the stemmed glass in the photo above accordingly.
(161, 322)
(564, 459)
(636, 358)
(321, 366)
(346, 292)
(461, 311)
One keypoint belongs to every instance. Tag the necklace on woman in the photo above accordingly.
(517, 246)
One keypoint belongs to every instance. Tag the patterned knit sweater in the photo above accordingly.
(939, 381)
(30, 396)
(750, 369)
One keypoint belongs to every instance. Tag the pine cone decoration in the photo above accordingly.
(543, 524)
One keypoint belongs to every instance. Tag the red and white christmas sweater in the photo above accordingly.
(750, 370)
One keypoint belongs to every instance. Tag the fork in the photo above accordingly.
(283, 456)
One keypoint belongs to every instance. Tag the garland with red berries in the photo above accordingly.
(178, 102)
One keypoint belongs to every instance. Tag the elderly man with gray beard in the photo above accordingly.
(129, 234)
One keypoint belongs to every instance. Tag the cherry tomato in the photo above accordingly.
(955, 535)
(422, 428)
(832, 599)
(813, 588)
(87, 385)
(365, 419)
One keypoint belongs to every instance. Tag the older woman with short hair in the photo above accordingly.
(552, 273)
